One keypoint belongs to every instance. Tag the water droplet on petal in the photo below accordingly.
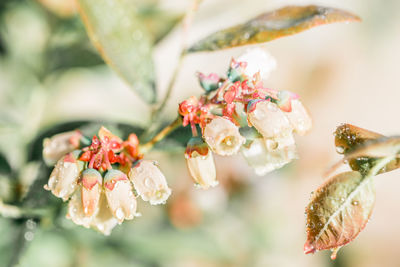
(340, 149)
(29, 236)
(119, 214)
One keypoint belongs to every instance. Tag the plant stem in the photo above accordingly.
(19, 245)
(15, 212)
(161, 135)
(156, 112)
(187, 23)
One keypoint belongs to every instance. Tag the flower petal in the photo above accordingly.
(202, 169)
(269, 120)
(150, 182)
(104, 221)
(63, 179)
(120, 197)
(76, 212)
(58, 145)
(223, 136)
(299, 118)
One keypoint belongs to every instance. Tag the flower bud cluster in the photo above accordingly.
(102, 180)
(239, 113)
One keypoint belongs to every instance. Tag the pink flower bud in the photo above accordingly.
(200, 163)
(104, 221)
(269, 120)
(59, 145)
(264, 160)
(299, 118)
(150, 182)
(63, 179)
(223, 136)
(91, 189)
(120, 197)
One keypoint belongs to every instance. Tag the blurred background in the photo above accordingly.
(50, 74)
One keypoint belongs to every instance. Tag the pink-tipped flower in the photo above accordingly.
(223, 136)
(269, 120)
(60, 144)
(200, 163)
(84, 203)
(150, 182)
(264, 160)
(258, 60)
(299, 118)
(91, 189)
(120, 197)
(63, 179)
(75, 210)
(104, 221)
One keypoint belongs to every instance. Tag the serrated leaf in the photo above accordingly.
(340, 209)
(272, 25)
(123, 42)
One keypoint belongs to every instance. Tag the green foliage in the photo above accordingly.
(123, 42)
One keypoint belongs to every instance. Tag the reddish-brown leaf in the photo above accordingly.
(348, 136)
(361, 147)
(272, 25)
(338, 211)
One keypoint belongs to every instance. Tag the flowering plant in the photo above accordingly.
(101, 174)
(239, 113)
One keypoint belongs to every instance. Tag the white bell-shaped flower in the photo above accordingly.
(120, 197)
(269, 120)
(150, 182)
(91, 189)
(104, 221)
(202, 169)
(223, 136)
(58, 145)
(63, 179)
(264, 160)
(299, 118)
(75, 210)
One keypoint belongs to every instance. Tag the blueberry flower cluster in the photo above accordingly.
(238, 113)
(101, 178)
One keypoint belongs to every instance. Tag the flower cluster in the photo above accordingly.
(102, 177)
(239, 113)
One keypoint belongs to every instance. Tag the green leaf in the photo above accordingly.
(5, 167)
(340, 208)
(159, 23)
(272, 25)
(76, 55)
(123, 42)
